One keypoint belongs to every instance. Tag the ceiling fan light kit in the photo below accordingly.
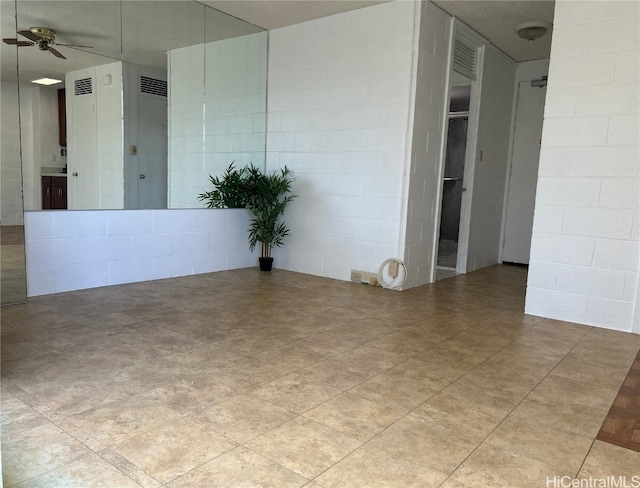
(530, 31)
(43, 37)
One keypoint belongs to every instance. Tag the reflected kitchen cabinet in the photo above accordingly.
(54, 192)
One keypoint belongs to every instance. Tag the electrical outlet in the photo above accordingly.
(356, 276)
(393, 269)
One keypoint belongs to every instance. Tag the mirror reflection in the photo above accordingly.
(162, 94)
(13, 288)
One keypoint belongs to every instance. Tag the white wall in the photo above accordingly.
(10, 191)
(109, 107)
(339, 106)
(72, 250)
(491, 159)
(217, 112)
(422, 176)
(585, 253)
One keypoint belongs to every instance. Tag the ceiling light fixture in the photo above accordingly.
(46, 81)
(531, 31)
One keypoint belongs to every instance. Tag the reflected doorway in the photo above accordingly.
(453, 181)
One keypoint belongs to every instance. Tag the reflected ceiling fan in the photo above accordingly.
(44, 38)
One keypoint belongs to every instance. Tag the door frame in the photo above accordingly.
(462, 32)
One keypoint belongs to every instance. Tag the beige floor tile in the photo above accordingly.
(397, 391)
(87, 472)
(115, 422)
(238, 468)
(354, 416)
(243, 418)
(563, 450)
(129, 469)
(551, 414)
(489, 466)
(606, 460)
(304, 446)
(503, 395)
(457, 357)
(37, 451)
(296, 393)
(478, 420)
(402, 343)
(173, 449)
(354, 366)
(434, 445)
(16, 417)
(369, 467)
(599, 372)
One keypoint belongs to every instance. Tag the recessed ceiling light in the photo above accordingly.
(46, 81)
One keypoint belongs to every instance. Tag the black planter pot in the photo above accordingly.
(265, 264)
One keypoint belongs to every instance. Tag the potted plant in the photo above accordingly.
(266, 196)
(229, 191)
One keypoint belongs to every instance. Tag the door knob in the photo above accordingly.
(142, 177)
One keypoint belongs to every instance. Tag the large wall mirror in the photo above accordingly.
(154, 96)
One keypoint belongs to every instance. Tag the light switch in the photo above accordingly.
(133, 150)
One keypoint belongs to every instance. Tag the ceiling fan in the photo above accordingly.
(43, 37)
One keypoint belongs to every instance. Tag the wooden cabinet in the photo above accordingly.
(62, 117)
(54, 192)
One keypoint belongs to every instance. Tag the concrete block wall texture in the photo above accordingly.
(355, 102)
(423, 178)
(73, 250)
(10, 195)
(217, 112)
(585, 246)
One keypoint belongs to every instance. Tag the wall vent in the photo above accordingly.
(153, 86)
(464, 59)
(83, 87)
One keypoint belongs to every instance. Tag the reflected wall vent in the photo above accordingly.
(83, 87)
(153, 86)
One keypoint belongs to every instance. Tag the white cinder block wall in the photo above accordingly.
(74, 250)
(423, 177)
(585, 253)
(340, 102)
(10, 194)
(217, 112)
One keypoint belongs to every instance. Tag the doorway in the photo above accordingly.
(454, 171)
(525, 157)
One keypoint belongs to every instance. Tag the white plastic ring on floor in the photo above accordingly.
(386, 280)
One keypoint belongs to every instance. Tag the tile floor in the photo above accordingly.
(13, 282)
(244, 378)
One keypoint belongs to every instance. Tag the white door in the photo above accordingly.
(524, 174)
(152, 152)
(82, 143)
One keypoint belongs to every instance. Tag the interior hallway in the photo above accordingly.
(293, 380)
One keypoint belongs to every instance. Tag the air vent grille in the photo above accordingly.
(83, 86)
(464, 59)
(152, 86)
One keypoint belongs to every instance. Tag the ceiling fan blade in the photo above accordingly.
(17, 42)
(56, 53)
(30, 35)
(73, 45)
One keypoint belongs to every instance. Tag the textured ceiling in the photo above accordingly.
(495, 20)
(151, 28)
